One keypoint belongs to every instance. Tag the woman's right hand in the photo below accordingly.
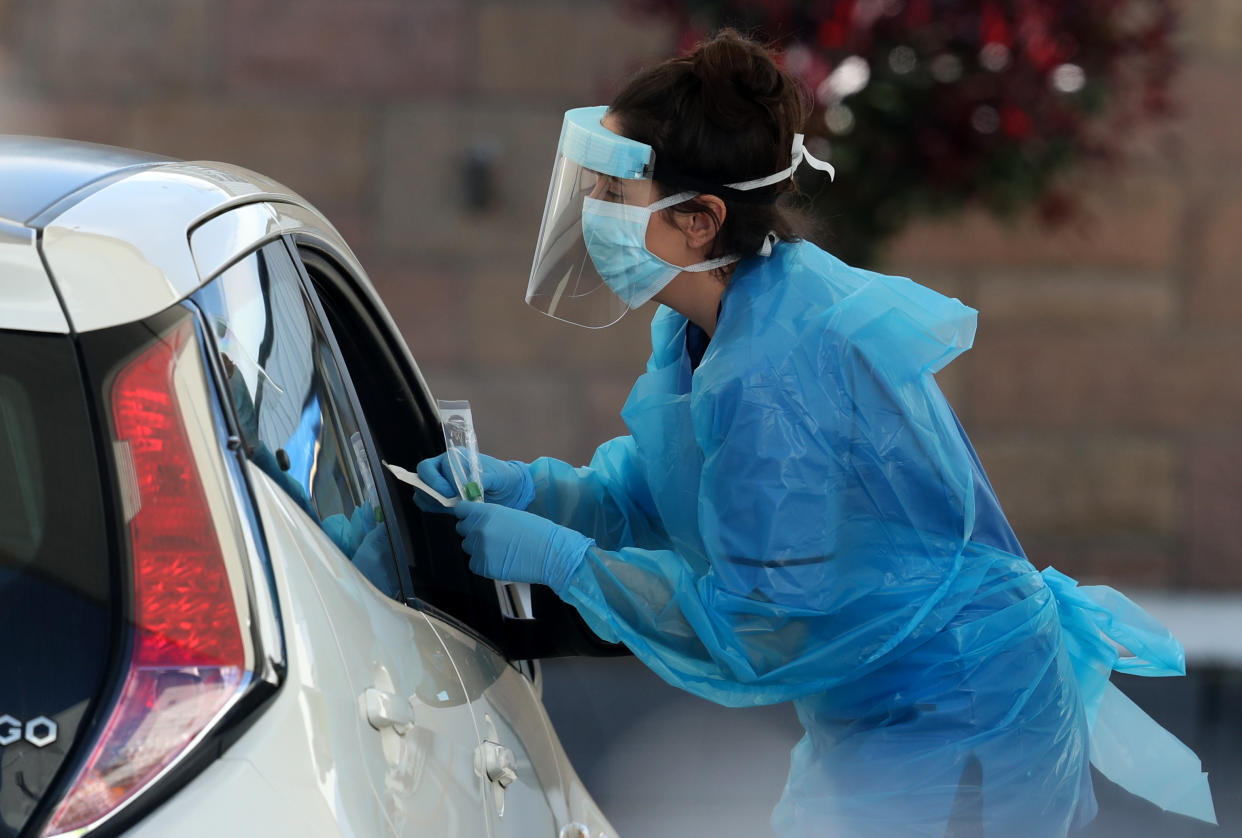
(508, 483)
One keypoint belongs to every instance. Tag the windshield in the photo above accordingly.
(55, 594)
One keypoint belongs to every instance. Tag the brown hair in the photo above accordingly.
(722, 114)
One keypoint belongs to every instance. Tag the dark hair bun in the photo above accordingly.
(725, 113)
(739, 75)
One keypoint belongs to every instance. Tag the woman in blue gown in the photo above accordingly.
(796, 513)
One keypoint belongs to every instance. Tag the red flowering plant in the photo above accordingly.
(927, 106)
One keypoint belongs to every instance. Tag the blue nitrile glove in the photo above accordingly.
(374, 558)
(348, 533)
(516, 546)
(506, 483)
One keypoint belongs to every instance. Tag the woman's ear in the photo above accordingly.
(700, 227)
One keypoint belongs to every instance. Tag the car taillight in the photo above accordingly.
(191, 656)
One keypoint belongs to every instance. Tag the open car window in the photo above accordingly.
(406, 430)
(404, 427)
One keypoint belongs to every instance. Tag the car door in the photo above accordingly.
(297, 418)
(517, 755)
(517, 732)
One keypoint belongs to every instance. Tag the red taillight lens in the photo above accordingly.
(185, 612)
(189, 658)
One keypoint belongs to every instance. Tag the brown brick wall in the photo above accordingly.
(1105, 388)
(1104, 391)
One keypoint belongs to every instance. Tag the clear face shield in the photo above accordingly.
(593, 166)
(591, 263)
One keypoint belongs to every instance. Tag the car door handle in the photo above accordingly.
(496, 762)
(384, 709)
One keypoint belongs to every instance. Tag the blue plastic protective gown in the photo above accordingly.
(802, 517)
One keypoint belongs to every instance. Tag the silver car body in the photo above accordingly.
(385, 714)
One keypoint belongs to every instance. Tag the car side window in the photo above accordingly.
(295, 416)
(405, 428)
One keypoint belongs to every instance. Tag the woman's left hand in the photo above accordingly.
(516, 546)
(507, 483)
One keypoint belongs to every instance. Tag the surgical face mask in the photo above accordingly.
(616, 240)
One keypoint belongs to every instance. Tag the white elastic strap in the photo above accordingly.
(711, 264)
(813, 161)
(671, 200)
(697, 267)
(797, 155)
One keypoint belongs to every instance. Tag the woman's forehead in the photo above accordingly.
(610, 121)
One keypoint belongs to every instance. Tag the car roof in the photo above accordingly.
(38, 172)
(93, 236)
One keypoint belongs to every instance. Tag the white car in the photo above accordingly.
(219, 614)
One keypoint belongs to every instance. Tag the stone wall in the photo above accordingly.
(1105, 389)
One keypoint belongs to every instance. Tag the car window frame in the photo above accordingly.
(556, 629)
(396, 536)
(316, 314)
(335, 262)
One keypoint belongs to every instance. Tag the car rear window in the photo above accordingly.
(55, 574)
